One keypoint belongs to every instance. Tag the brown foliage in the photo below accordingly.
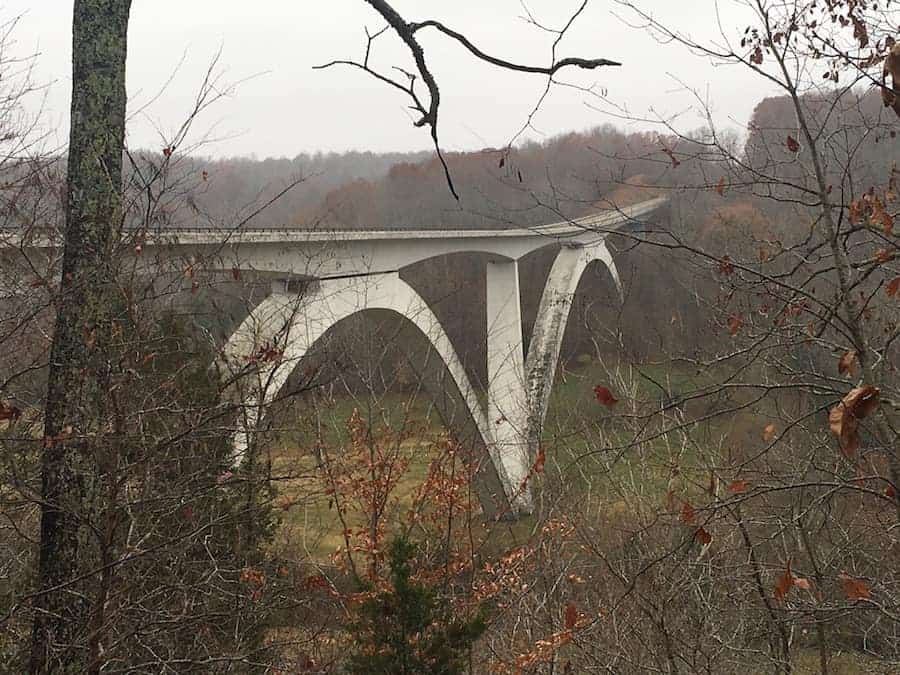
(604, 396)
(848, 364)
(844, 417)
(855, 589)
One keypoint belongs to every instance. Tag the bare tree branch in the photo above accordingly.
(406, 31)
(586, 64)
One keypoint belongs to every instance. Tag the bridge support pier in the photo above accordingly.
(507, 404)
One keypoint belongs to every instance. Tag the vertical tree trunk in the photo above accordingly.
(74, 409)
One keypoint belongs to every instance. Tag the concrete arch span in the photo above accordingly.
(550, 326)
(360, 270)
(292, 325)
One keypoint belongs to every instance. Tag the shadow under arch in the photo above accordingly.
(597, 301)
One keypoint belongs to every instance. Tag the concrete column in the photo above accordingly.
(507, 400)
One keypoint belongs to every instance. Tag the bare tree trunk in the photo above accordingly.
(74, 410)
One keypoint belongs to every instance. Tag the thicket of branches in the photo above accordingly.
(719, 493)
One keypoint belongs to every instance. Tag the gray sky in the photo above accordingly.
(280, 106)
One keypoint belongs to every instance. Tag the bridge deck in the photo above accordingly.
(594, 222)
(318, 253)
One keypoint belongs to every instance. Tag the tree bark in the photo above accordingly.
(75, 392)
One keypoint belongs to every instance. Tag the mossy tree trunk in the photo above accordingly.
(68, 611)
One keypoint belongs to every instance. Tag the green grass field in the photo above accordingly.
(577, 434)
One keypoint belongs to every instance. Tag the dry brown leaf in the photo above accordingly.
(570, 617)
(848, 363)
(800, 582)
(843, 420)
(845, 427)
(756, 57)
(539, 460)
(738, 486)
(862, 401)
(784, 583)
(892, 287)
(605, 396)
(702, 536)
(855, 589)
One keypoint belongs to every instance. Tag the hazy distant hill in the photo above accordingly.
(236, 183)
(564, 176)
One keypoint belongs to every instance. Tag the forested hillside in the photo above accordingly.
(576, 174)
(536, 183)
(666, 294)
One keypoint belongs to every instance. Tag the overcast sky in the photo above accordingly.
(280, 106)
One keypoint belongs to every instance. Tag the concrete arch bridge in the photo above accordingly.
(346, 272)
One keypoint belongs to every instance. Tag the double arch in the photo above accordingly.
(293, 323)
